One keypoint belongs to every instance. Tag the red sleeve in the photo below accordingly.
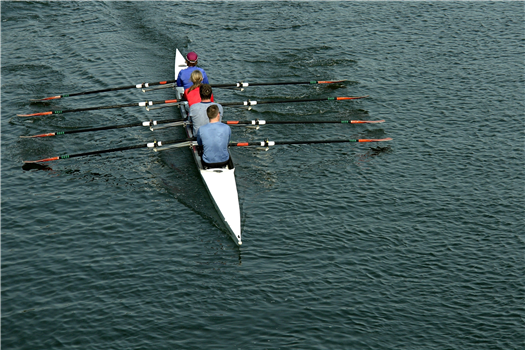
(193, 96)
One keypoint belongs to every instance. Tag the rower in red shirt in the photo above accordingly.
(192, 94)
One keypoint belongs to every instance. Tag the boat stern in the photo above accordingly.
(223, 191)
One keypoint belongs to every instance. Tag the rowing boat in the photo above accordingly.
(220, 183)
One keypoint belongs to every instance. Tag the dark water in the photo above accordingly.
(416, 246)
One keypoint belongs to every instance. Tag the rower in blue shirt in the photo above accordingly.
(183, 79)
(214, 138)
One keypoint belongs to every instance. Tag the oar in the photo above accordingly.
(140, 104)
(242, 84)
(267, 143)
(146, 85)
(171, 103)
(148, 145)
(263, 122)
(138, 86)
(148, 123)
(253, 103)
(189, 141)
(177, 122)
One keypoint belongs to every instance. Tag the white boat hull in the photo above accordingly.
(220, 183)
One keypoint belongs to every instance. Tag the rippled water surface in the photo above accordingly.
(417, 244)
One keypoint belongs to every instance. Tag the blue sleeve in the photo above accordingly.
(199, 141)
(204, 77)
(179, 80)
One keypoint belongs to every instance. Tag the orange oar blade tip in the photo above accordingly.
(366, 121)
(387, 139)
(330, 81)
(41, 160)
(350, 98)
(40, 135)
(46, 99)
(52, 98)
(34, 114)
(375, 140)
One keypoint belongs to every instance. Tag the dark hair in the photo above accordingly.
(205, 91)
(212, 111)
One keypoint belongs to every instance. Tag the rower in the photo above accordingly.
(183, 79)
(192, 94)
(214, 138)
(197, 114)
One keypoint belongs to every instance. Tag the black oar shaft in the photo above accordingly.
(242, 84)
(138, 86)
(98, 91)
(147, 145)
(109, 127)
(104, 151)
(267, 143)
(253, 103)
(263, 122)
(135, 104)
(95, 108)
